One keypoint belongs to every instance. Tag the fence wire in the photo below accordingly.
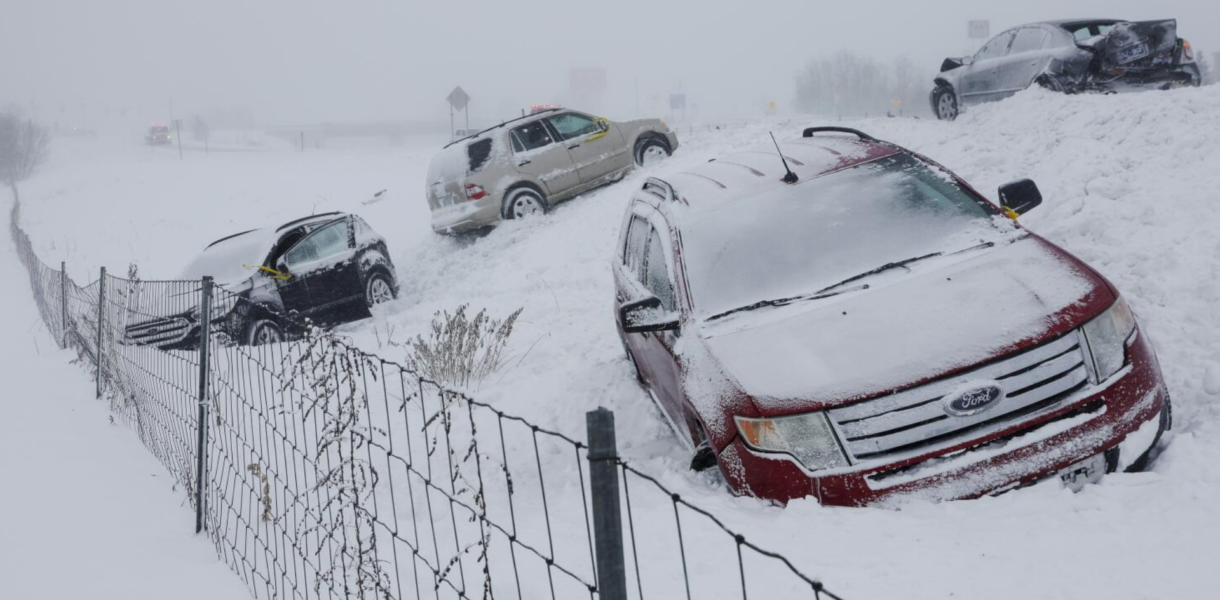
(329, 472)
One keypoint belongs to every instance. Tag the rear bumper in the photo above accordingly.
(1101, 418)
(466, 216)
(1135, 79)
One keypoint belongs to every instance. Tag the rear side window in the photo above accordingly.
(637, 239)
(478, 152)
(531, 136)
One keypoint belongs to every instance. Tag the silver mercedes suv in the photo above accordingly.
(527, 165)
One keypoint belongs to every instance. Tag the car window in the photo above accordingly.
(478, 152)
(656, 272)
(323, 243)
(996, 48)
(531, 136)
(633, 254)
(1029, 40)
(572, 125)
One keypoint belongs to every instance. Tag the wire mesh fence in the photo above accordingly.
(321, 471)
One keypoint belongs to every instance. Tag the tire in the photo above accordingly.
(523, 202)
(650, 151)
(264, 331)
(945, 103)
(1050, 83)
(1141, 464)
(378, 289)
(704, 457)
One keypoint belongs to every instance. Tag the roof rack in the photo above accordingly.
(809, 131)
(228, 237)
(304, 219)
(502, 124)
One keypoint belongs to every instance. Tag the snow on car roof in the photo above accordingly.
(747, 174)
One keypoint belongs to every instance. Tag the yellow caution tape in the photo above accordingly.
(277, 275)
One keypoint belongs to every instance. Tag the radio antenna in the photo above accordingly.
(790, 177)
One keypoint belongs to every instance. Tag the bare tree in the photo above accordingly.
(851, 84)
(23, 148)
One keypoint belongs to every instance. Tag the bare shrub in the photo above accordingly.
(462, 350)
(23, 148)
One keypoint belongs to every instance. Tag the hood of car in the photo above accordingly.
(906, 329)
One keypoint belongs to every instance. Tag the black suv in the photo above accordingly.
(330, 268)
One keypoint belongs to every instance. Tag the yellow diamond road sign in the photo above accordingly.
(458, 98)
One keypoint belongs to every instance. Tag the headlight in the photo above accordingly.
(1107, 336)
(807, 437)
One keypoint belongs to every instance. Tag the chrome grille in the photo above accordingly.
(159, 332)
(915, 419)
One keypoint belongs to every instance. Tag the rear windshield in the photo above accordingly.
(797, 240)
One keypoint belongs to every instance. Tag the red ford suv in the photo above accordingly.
(848, 320)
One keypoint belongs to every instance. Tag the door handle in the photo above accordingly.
(523, 163)
(573, 146)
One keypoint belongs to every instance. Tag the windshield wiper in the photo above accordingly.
(785, 301)
(826, 291)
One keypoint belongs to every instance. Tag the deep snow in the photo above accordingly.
(1130, 182)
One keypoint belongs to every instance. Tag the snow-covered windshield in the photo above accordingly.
(225, 260)
(799, 239)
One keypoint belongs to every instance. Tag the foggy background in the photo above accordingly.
(81, 63)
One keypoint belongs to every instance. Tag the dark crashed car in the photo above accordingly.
(330, 268)
(1093, 55)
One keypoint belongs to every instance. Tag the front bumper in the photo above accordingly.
(1098, 419)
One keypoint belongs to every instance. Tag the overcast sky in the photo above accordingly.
(297, 61)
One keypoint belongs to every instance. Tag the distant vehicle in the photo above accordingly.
(537, 108)
(158, 134)
(1068, 56)
(525, 166)
(331, 268)
(875, 329)
(461, 133)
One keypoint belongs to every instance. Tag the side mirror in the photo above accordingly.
(603, 124)
(1020, 197)
(647, 315)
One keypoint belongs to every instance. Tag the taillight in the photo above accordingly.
(1187, 51)
(474, 192)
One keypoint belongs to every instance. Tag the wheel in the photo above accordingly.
(945, 102)
(523, 202)
(704, 457)
(378, 290)
(651, 151)
(264, 331)
(1050, 82)
(1145, 459)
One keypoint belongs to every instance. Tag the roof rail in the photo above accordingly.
(503, 123)
(856, 132)
(658, 188)
(305, 219)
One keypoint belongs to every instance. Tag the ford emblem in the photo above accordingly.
(973, 401)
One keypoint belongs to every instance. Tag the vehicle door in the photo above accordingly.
(1026, 60)
(981, 79)
(596, 147)
(536, 152)
(648, 270)
(325, 261)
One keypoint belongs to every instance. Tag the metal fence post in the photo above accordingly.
(201, 450)
(63, 299)
(607, 518)
(101, 317)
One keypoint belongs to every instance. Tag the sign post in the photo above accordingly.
(458, 100)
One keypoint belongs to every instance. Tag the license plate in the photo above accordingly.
(1086, 471)
(1132, 52)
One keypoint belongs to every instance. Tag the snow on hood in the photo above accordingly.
(225, 260)
(897, 334)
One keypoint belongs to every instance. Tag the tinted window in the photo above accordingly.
(531, 136)
(997, 47)
(1029, 40)
(656, 272)
(572, 125)
(478, 152)
(637, 238)
(323, 243)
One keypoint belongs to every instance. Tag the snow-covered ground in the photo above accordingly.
(1130, 184)
(85, 510)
